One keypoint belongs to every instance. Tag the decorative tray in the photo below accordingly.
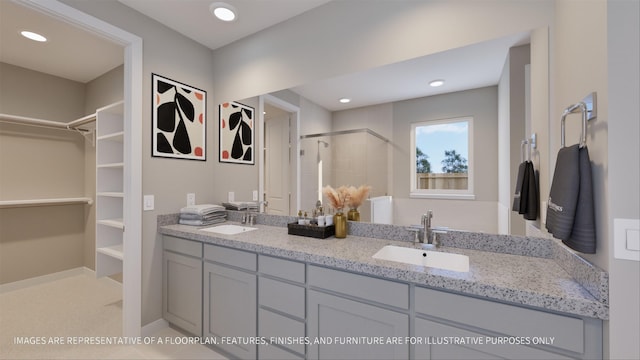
(314, 231)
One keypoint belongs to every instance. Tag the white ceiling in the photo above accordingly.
(69, 52)
(81, 56)
(192, 18)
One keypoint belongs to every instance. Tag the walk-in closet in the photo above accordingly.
(62, 157)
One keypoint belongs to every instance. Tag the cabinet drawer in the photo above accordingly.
(232, 257)
(284, 269)
(270, 352)
(485, 349)
(365, 287)
(274, 325)
(182, 246)
(282, 296)
(568, 332)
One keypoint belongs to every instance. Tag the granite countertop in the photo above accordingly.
(532, 281)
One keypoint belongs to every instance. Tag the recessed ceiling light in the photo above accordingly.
(436, 83)
(33, 36)
(345, 100)
(223, 11)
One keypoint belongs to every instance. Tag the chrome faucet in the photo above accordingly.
(429, 233)
(426, 227)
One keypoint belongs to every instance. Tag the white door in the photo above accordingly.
(277, 145)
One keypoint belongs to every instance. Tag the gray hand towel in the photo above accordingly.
(563, 197)
(529, 199)
(583, 234)
(517, 196)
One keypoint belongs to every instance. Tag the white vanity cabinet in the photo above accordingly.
(182, 283)
(350, 312)
(463, 327)
(229, 300)
(281, 308)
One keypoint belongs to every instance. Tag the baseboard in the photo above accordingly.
(21, 284)
(153, 327)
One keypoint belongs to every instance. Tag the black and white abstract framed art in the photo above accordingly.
(237, 133)
(179, 120)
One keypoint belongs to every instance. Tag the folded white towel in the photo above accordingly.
(240, 205)
(202, 209)
(201, 222)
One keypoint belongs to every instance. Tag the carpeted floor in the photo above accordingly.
(77, 308)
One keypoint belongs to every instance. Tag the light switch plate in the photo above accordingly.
(255, 195)
(231, 197)
(148, 203)
(191, 199)
(626, 233)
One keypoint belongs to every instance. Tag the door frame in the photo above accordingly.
(295, 166)
(133, 72)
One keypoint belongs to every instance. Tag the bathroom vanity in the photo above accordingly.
(269, 295)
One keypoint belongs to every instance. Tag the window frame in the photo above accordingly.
(466, 194)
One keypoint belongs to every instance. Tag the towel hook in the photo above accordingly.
(571, 109)
(524, 157)
(531, 145)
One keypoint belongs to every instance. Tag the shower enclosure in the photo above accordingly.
(350, 158)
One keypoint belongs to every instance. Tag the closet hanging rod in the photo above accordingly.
(23, 120)
(83, 120)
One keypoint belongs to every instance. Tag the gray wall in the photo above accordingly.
(623, 39)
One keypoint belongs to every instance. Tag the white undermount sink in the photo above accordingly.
(434, 259)
(228, 229)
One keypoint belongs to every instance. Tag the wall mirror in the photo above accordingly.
(368, 141)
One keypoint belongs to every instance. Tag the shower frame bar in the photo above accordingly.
(344, 132)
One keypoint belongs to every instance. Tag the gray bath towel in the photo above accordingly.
(563, 197)
(583, 234)
(570, 213)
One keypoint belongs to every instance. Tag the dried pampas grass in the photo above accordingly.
(337, 197)
(346, 196)
(358, 195)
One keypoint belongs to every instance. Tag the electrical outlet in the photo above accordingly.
(191, 199)
(255, 195)
(231, 196)
(148, 202)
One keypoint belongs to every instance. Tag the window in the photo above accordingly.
(441, 160)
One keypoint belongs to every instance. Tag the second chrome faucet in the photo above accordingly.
(429, 234)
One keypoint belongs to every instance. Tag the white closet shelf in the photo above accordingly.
(117, 137)
(114, 251)
(111, 165)
(116, 223)
(45, 202)
(111, 194)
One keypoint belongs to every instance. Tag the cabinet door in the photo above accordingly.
(348, 329)
(230, 309)
(439, 341)
(182, 292)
